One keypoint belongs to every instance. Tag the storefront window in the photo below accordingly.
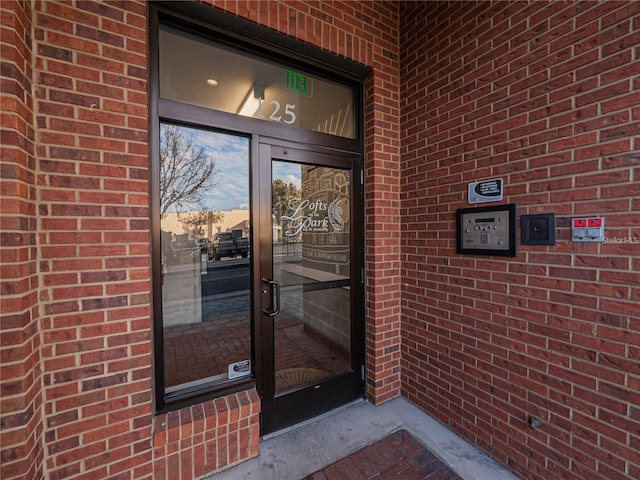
(205, 245)
(224, 106)
(197, 72)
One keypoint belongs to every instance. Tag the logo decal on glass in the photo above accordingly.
(339, 213)
(316, 216)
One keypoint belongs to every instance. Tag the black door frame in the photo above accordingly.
(227, 29)
(279, 411)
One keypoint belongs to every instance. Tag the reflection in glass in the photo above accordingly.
(205, 244)
(311, 261)
(196, 71)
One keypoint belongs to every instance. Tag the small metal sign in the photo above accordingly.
(486, 191)
(239, 369)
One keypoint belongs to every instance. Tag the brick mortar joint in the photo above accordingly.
(160, 422)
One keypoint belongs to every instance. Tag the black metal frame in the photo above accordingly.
(287, 409)
(247, 36)
(512, 251)
(545, 222)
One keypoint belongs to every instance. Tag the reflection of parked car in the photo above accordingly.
(185, 250)
(230, 244)
(205, 242)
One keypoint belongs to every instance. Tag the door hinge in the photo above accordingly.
(361, 177)
(362, 275)
(362, 372)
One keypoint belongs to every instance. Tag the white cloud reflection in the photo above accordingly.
(231, 179)
(231, 156)
(288, 173)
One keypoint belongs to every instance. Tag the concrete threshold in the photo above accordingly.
(299, 451)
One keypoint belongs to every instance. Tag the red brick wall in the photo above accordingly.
(76, 240)
(93, 237)
(206, 437)
(20, 386)
(544, 95)
(382, 209)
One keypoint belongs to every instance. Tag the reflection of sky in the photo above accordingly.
(288, 172)
(231, 180)
(231, 156)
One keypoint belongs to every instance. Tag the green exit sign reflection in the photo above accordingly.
(298, 83)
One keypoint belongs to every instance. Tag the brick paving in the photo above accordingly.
(397, 456)
(200, 350)
(300, 347)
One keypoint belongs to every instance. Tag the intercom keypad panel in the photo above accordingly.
(486, 230)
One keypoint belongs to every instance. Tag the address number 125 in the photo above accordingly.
(290, 116)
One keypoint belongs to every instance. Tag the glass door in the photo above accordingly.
(311, 344)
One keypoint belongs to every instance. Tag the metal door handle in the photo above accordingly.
(276, 287)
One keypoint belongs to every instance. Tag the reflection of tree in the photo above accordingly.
(282, 194)
(186, 171)
(199, 222)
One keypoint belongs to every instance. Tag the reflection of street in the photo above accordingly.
(224, 277)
